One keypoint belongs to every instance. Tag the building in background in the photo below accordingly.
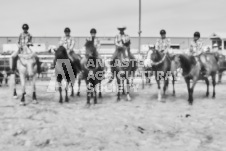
(219, 39)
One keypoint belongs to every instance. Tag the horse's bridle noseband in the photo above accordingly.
(159, 62)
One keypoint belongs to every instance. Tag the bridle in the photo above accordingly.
(159, 62)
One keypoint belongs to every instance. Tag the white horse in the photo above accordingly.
(27, 67)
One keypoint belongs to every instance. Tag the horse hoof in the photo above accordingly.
(100, 95)
(35, 102)
(87, 105)
(160, 99)
(207, 94)
(15, 97)
(78, 94)
(67, 100)
(61, 102)
(22, 104)
(128, 98)
(118, 100)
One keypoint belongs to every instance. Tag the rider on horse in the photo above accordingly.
(163, 44)
(196, 49)
(122, 41)
(93, 38)
(67, 41)
(95, 41)
(25, 40)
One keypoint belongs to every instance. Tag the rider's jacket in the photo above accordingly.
(196, 47)
(121, 39)
(67, 42)
(163, 45)
(24, 39)
(95, 40)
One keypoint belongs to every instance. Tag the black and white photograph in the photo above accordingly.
(113, 75)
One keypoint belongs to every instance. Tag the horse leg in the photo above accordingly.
(22, 79)
(88, 93)
(207, 85)
(34, 90)
(192, 90)
(66, 92)
(72, 89)
(159, 90)
(60, 92)
(173, 82)
(187, 80)
(166, 83)
(119, 89)
(95, 95)
(220, 76)
(79, 86)
(92, 94)
(100, 93)
(13, 78)
(23, 99)
(214, 84)
(123, 87)
(128, 89)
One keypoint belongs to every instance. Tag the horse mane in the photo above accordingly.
(61, 53)
(186, 63)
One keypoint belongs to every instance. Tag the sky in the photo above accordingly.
(49, 17)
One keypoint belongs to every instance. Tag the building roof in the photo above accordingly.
(218, 35)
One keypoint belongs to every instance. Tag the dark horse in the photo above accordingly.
(192, 70)
(123, 69)
(67, 69)
(92, 72)
(161, 66)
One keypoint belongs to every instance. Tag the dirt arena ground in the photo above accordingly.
(141, 125)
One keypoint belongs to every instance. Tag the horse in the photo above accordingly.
(192, 70)
(161, 66)
(92, 67)
(66, 68)
(123, 69)
(27, 65)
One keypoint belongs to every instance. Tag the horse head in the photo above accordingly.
(155, 55)
(28, 61)
(91, 55)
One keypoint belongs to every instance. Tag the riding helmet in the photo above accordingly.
(122, 28)
(162, 32)
(67, 30)
(93, 31)
(197, 34)
(25, 27)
